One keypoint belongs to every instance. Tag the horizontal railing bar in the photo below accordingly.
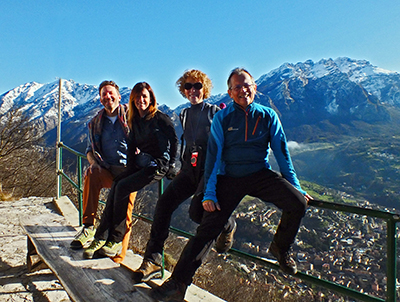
(70, 181)
(312, 279)
(305, 277)
(62, 145)
(354, 209)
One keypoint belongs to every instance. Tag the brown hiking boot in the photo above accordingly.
(147, 270)
(225, 240)
(286, 263)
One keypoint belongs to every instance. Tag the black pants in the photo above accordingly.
(184, 185)
(266, 185)
(113, 220)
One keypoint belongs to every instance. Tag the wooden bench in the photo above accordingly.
(83, 280)
(49, 236)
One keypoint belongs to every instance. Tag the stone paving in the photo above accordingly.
(16, 284)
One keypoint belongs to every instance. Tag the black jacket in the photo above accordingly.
(156, 137)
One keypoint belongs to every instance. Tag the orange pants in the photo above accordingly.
(93, 183)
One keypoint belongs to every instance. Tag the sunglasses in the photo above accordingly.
(189, 86)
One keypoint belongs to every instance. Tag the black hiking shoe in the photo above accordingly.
(170, 290)
(147, 270)
(286, 263)
(225, 240)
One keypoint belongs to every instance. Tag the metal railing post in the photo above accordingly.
(391, 260)
(80, 187)
(160, 187)
(160, 192)
(58, 149)
(59, 172)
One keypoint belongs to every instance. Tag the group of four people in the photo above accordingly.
(224, 158)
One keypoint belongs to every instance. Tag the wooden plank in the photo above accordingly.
(68, 210)
(84, 280)
(90, 280)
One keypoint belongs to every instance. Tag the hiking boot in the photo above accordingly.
(286, 263)
(93, 247)
(170, 290)
(225, 240)
(83, 238)
(147, 270)
(111, 249)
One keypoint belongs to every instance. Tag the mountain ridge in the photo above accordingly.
(349, 105)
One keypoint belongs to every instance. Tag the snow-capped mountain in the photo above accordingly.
(342, 115)
(377, 81)
(304, 93)
(331, 89)
(40, 101)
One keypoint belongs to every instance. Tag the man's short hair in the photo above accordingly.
(108, 82)
(238, 71)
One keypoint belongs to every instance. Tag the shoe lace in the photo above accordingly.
(109, 244)
(79, 233)
(84, 232)
(95, 244)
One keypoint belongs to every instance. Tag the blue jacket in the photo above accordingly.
(240, 143)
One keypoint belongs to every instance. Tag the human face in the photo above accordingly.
(242, 89)
(109, 98)
(195, 96)
(142, 102)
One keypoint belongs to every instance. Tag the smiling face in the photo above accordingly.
(195, 96)
(242, 89)
(142, 102)
(109, 98)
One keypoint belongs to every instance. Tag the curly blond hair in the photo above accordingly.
(199, 76)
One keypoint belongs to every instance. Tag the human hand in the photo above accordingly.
(92, 166)
(308, 197)
(173, 171)
(211, 206)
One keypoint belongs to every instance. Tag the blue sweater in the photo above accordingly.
(240, 143)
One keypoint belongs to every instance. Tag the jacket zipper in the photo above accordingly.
(255, 127)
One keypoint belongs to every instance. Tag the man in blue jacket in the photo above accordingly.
(241, 138)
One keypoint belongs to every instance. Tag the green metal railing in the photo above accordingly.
(391, 220)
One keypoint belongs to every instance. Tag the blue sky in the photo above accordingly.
(155, 41)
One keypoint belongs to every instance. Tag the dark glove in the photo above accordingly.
(172, 171)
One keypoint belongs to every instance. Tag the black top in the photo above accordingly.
(196, 123)
(156, 137)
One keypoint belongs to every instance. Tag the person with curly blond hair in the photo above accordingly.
(196, 120)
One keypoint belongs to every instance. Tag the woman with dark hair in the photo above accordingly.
(152, 146)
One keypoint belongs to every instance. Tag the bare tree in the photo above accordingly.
(26, 166)
(17, 133)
